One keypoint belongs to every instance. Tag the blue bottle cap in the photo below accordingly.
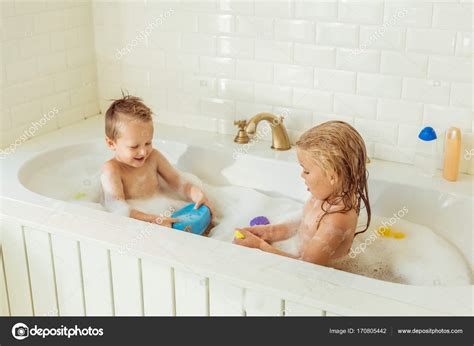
(427, 134)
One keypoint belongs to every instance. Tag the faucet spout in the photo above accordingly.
(280, 140)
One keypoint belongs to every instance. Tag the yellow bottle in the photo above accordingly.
(452, 154)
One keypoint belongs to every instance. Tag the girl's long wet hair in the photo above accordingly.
(338, 147)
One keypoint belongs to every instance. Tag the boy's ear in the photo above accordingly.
(110, 143)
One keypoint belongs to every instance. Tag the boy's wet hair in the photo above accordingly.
(126, 108)
(337, 147)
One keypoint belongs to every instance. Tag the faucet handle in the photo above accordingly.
(241, 124)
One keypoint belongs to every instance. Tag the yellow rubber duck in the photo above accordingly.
(238, 234)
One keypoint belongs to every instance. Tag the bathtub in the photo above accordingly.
(61, 259)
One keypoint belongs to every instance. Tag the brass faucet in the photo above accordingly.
(280, 140)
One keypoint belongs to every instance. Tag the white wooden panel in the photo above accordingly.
(296, 309)
(158, 289)
(262, 304)
(225, 299)
(16, 269)
(97, 280)
(68, 271)
(191, 294)
(40, 261)
(126, 278)
(4, 308)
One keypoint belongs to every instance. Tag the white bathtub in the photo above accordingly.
(64, 259)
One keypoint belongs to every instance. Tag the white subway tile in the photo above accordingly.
(34, 46)
(294, 30)
(79, 57)
(319, 118)
(28, 7)
(254, 71)
(216, 24)
(5, 121)
(404, 64)
(167, 40)
(293, 75)
(315, 100)
(198, 44)
(442, 118)
(77, 16)
(335, 80)
(273, 51)
(307, 54)
(199, 5)
(49, 21)
(70, 116)
(409, 113)
(408, 135)
(393, 153)
(320, 10)
(377, 131)
(273, 94)
(235, 90)
(255, 27)
(176, 21)
(182, 62)
(453, 16)
(379, 85)
(280, 8)
(337, 34)
(60, 101)
(199, 85)
(84, 94)
(355, 105)
(62, 40)
(235, 47)
(411, 14)
(241, 7)
(183, 102)
(220, 67)
(246, 110)
(358, 60)
(461, 95)
(17, 27)
(464, 44)
(26, 113)
(51, 63)
(294, 119)
(428, 91)
(431, 41)
(21, 71)
(450, 69)
(382, 37)
(218, 108)
(367, 12)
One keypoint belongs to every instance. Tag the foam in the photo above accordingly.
(421, 258)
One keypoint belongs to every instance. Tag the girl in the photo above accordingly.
(333, 157)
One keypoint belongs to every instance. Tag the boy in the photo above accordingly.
(135, 170)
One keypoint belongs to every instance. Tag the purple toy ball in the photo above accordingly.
(259, 220)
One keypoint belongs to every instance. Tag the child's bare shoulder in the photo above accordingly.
(341, 221)
(111, 167)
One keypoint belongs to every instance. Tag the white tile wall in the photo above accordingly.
(48, 62)
(389, 67)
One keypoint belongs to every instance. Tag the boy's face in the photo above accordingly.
(133, 144)
(316, 180)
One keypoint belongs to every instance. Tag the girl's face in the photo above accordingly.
(320, 184)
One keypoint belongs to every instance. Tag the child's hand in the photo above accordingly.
(166, 221)
(250, 239)
(262, 231)
(198, 197)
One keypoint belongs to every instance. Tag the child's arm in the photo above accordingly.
(114, 198)
(276, 232)
(176, 181)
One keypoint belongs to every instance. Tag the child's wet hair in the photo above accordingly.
(126, 108)
(336, 146)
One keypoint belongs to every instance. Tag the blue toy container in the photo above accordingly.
(192, 220)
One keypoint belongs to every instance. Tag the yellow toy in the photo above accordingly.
(386, 231)
(399, 235)
(79, 195)
(239, 235)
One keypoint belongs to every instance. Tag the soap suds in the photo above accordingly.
(421, 258)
